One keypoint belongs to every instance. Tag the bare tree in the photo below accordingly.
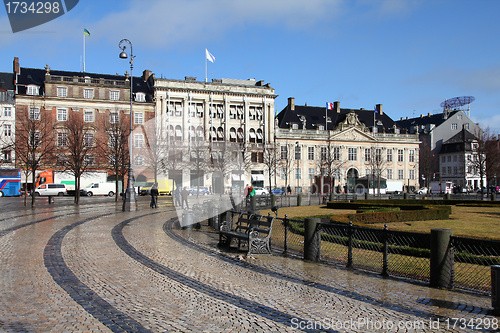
(285, 160)
(34, 142)
(428, 160)
(331, 161)
(81, 148)
(155, 149)
(493, 158)
(377, 164)
(114, 147)
(270, 160)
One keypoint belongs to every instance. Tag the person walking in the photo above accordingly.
(177, 196)
(251, 191)
(154, 196)
(184, 196)
(288, 190)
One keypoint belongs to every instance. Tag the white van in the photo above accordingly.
(51, 189)
(99, 189)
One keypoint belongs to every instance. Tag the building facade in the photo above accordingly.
(7, 121)
(345, 146)
(95, 100)
(220, 128)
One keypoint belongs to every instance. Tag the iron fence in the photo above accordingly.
(392, 253)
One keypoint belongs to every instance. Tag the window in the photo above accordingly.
(411, 156)
(412, 174)
(88, 139)
(232, 111)
(139, 160)
(88, 93)
(284, 152)
(378, 155)
(400, 155)
(138, 118)
(113, 140)
(443, 158)
(389, 155)
(7, 111)
(259, 113)
(114, 117)
(311, 173)
(443, 171)
(295, 126)
(310, 153)
(7, 156)
(455, 170)
(138, 141)
(88, 116)
(449, 170)
(455, 157)
(466, 126)
(298, 173)
(34, 113)
(324, 153)
(7, 130)
(34, 138)
(252, 113)
(352, 154)
(3, 95)
(62, 139)
(140, 97)
(62, 92)
(114, 95)
(454, 126)
(368, 153)
(297, 152)
(336, 153)
(389, 173)
(448, 158)
(89, 159)
(62, 114)
(401, 174)
(283, 174)
(321, 127)
(32, 90)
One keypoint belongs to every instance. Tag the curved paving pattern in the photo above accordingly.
(95, 268)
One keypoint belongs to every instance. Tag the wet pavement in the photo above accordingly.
(94, 268)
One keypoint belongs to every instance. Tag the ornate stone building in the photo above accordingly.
(350, 149)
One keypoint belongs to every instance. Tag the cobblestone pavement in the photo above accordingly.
(94, 268)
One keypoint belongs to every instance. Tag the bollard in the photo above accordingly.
(493, 196)
(366, 196)
(447, 196)
(273, 200)
(406, 196)
(187, 220)
(253, 204)
(442, 260)
(495, 289)
(51, 199)
(211, 215)
(312, 239)
(332, 196)
(299, 199)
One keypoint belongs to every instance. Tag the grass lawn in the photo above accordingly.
(476, 222)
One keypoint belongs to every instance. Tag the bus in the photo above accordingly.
(10, 182)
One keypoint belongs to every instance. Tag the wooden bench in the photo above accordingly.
(251, 230)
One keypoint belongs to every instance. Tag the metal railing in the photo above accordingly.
(392, 253)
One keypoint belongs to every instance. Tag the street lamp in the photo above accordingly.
(130, 201)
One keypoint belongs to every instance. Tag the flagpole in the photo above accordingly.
(84, 49)
(206, 80)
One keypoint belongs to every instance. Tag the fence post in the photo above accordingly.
(312, 239)
(332, 196)
(285, 246)
(299, 199)
(385, 250)
(495, 289)
(273, 200)
(442, 259)
(350, 232)
(253, 205)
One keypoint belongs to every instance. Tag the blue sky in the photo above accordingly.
(408, 55)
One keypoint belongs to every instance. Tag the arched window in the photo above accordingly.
(199, 133)
(240, 135)
(260, 136)
(232, 134)
(220, 134)
(178, 133)
(253, 136)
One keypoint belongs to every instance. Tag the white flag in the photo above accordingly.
(210, 56)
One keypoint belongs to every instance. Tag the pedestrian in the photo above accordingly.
(247, 193)
(184, 196)
(177, 196)
(288, 190)
(251, 191)
(154, 196)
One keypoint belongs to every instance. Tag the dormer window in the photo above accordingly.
(140, 97)
(32, 90)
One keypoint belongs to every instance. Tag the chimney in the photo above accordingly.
(16, 66)
(146, 74)
(336, 106)
(421, 116)
(291, 103)
(380, 109)
(429, 114)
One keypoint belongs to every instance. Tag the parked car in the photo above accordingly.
(260, 191)
(201, 191)
(422, 190)
(51, 189)
(99, 189)
(277, 191)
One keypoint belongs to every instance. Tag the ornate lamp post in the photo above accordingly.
(130, 201)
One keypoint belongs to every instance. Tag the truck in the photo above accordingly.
(67, 178)
(165, 186)
(100, 189)
(395, 187)
(441, 187)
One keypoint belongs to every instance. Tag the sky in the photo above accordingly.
(408, 55)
